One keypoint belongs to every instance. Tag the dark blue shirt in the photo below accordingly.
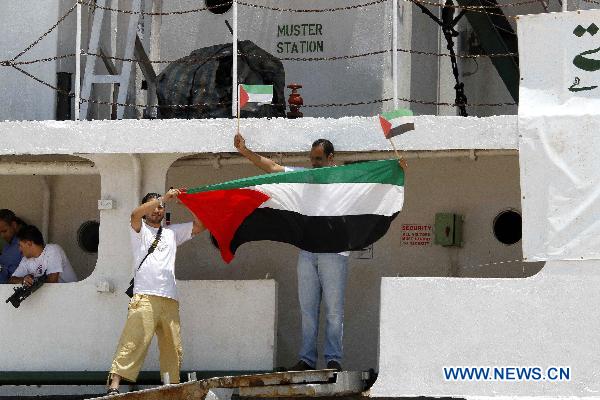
(9, 259)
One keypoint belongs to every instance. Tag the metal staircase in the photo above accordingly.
(133, 47)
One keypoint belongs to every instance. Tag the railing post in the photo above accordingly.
(234, 73)
(78, 62)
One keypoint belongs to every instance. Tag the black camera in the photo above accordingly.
(24, 291)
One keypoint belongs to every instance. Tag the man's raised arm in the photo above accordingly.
(264, 163)
(138, 213)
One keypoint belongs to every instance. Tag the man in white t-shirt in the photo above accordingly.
(40, 258)
(154, 307)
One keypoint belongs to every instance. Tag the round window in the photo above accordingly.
(88, 236)
(218, 6)
(507, 227)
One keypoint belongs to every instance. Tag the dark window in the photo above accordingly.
(507, 227)
(218, 6)
(88, 236)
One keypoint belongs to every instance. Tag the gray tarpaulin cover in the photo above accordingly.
(203, 81)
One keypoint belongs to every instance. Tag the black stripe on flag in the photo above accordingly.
(310, 233)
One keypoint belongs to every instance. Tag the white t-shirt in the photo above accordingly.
(156, 276)
(53, 259)
(292, 169)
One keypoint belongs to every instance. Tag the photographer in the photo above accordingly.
(40, 258)
(154, 306)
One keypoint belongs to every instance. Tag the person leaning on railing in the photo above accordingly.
(41, 259)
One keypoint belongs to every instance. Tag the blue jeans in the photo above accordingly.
(322, 275)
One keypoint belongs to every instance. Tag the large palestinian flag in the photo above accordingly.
(323, 210)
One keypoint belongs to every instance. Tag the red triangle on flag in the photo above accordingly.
(243, 98)
(223, 211)
(385, 125)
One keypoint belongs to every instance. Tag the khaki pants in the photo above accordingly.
(147, 315)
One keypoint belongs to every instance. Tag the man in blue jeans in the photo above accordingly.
(320, 275)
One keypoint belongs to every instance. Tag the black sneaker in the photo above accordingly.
(112, 392)
(301, 366)
(332, 364)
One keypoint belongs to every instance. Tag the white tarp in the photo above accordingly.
(559, 127)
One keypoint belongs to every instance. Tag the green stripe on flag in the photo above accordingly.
(401, 112)
(380, 171)
(258, 89)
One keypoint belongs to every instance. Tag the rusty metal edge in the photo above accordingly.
(199, 389)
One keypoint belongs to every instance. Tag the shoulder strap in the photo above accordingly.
(152, 247)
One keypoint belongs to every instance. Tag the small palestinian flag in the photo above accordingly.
(321, 210)
(397, 122)
(255, 94)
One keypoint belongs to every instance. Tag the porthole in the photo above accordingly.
(88, 236)
(507, 227)
(218, 6)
